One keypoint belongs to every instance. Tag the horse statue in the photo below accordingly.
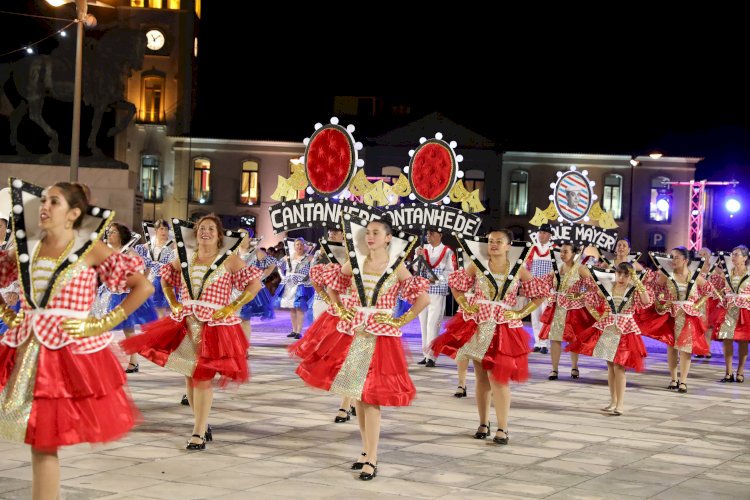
(106, 63)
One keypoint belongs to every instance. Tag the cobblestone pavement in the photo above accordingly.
(275, 438)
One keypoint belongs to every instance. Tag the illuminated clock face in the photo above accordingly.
(154, 40)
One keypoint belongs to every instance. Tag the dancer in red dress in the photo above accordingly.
(488, 330)
(733, 319)
(680, 292)
(362, 356)
(566, 312)
(615, 337)
(60, 384)
(202, 337)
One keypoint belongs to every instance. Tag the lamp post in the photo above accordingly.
(82, 17)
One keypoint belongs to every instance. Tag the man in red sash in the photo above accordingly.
(539, 262)
(436, 264)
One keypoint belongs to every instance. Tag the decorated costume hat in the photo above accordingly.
(605, 282)
(187, 247)
(355, 230)
(477, 248)
(666, 266)
(24, 202)
(149, 231)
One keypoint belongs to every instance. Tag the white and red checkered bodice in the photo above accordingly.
(216, 293)
(623, 319)
(330, 275)
(494, 310)
(73, 294)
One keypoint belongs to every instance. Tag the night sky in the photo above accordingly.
(600, 90)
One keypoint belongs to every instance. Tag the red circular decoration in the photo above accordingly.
(432, 170)
(329, 159)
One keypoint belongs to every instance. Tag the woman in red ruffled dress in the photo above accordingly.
(202, 337)
(361, 355)
(488, 330)
(679, 293)
(60, 384)
(566, 311)
(732, 323)
(615, 337)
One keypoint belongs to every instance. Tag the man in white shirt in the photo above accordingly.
(539, 262)
(436, 265)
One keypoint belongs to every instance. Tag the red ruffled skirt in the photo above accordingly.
(656, 326)
(741, 330)
(661, 327)
(222, 348)
(630, 352)
(576, 320)
(322, 327)
(77, 398)
(506, 358)
(387, 382)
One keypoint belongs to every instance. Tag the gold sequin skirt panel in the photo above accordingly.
(17, 395)
(183, 359)
(726, 330)
(350, 380)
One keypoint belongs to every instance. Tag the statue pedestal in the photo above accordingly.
(112, 185)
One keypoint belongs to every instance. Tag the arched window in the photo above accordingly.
(152, 97)
(200, 188)
(249, 185)
(660, 206)
(612, 199)
(518, 194)
(151, 185)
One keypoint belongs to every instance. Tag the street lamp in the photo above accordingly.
(82, 18)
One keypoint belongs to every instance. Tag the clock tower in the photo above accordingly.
(163, 93)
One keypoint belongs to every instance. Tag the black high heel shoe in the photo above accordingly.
(209, 435)
(366, 476)
(482, 435)
(353, 411)
(339, 419)
(460, 392)
(134, 368)
(500, 440)
(196, 446)
(359, 465)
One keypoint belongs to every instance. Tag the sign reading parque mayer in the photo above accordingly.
(309, 212)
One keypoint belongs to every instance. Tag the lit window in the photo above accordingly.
(660, 206)
(136, 3)
(249, 186)
(151, 185)
(200, 190)
(474, 180)
(518, 195)
(155, 4)
(198, 8)
(152, 98)
(173, 4)
(612, 199)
